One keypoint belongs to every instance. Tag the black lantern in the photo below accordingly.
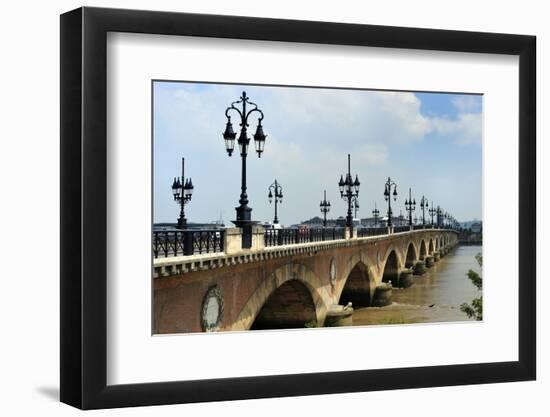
(176, 188)
(229, 136)
(259, 139)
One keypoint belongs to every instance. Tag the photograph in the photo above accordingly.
(292, 207)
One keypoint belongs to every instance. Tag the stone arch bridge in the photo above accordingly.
(289, 286)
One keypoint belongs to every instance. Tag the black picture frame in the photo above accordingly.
(84, 207)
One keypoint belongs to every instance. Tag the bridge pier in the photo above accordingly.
(339, 315)
(437, 256)
(405, 278)
(382, 295)
(419, 268)
(429, 261)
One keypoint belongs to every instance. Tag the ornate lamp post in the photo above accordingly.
(438, 213)
(432, 212)
(446, 219)
(275, 192)
(410, 206)
(325, 208)
(376, 215)
(182, 189)
(401, 218)
(423, 205)
(388, 194)
(349, 189)
(244, 219)
(355, 207)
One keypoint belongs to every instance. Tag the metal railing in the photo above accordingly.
(186, 242)
(279, 237)
(371, 231)
(168, 243)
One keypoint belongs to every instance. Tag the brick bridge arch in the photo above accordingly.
(357, 283)
(268, 287)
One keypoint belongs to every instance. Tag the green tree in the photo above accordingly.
(476, 308)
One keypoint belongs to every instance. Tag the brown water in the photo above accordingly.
(435, 296)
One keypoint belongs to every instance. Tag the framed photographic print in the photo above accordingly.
(257, 208)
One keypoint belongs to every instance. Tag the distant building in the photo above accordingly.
(371, 222)
(471, 232)
(383, 221)
(190, 225)
(314, 221)
(318, 222)
(269, 225)
(476, 227)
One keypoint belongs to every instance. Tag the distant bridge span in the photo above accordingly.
(287, 286)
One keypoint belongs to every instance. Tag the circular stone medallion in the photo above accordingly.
(212, 309)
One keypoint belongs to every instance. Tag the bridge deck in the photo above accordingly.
(182, 264)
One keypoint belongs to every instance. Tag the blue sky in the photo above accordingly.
(431, 142)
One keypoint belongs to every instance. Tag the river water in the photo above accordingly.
(435, 296)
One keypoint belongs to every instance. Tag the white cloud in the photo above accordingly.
(465, 129)
(467, 103)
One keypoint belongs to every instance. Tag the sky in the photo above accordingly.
(430, 142)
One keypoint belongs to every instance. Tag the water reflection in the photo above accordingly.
(434, 297)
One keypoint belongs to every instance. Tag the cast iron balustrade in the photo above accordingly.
(186, 242)
(420, 226)
(279, 237)
(371, 231)
(191, 242)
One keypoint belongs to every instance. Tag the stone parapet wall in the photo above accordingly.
(234, 255)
